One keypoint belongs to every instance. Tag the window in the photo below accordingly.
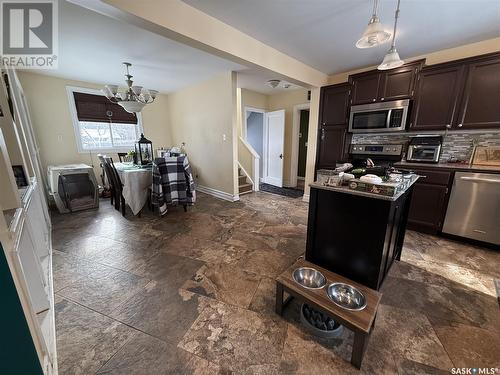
(101, 125)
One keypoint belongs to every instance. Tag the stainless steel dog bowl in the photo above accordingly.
(309, 278)
(346, 296)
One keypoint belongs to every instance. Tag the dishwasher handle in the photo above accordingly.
(478, 179)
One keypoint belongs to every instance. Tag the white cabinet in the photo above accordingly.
(25, 228)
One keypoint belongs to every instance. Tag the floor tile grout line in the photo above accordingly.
(440, 341)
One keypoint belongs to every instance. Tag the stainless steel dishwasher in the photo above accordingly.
(474, 207)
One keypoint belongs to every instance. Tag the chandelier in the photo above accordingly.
(132, 100)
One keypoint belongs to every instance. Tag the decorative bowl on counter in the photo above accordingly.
(309, 278)
(346, 296)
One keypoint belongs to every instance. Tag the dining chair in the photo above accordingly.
(117, 185)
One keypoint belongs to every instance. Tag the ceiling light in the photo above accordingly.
(273, 83)
(391, 58)
(374, 34)
(132, 100)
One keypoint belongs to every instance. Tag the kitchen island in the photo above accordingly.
(356, 234)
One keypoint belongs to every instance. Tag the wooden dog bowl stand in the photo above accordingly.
(360, 322)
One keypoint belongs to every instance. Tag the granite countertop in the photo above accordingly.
(451, 166)
(345, 189)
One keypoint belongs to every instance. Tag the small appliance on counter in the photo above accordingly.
(424, 148)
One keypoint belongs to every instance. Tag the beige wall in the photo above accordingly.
(461, 52)
(50, 114)
(201, 115)
(251, 99)
(287, 101)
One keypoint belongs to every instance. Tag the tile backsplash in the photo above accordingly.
(457, 145)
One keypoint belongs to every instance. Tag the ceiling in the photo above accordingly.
(322, 33)
(93, 46)
(255, 80)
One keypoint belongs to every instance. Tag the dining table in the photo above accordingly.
(136, 180)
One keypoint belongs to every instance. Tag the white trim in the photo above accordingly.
(305, 197)
(250, 109)
(294, 165)
(218, 193)
(72, 109)
(256, 164)
(300, 178)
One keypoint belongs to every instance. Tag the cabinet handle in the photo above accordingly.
(374, 100)
(322, 134)
(460, 125)
(323, 123)
(382, 98)
(448, 126)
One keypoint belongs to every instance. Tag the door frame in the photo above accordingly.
(294, 167)
(244, 134)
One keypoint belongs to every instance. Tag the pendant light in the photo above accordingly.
(374, 34)
(391, 58)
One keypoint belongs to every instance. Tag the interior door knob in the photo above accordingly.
(281, 156)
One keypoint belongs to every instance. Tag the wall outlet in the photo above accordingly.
(59, 138)
(224, 138)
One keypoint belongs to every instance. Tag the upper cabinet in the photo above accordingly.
(461, 94)
(365, 87)
(436, 97)
(335, 105)
(378, 86)
(480, 105)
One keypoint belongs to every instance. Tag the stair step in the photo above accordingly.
(245, 188)
(242, 180)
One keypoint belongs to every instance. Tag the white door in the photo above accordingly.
(274, 140)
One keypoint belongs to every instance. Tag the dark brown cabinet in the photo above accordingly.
(333, 120)
(335, 105)
(480, 106)
(332, 144)
(365, 87)
(429, 201)
(437, 97)
(379, 86)
(462, 94)
(397, 84)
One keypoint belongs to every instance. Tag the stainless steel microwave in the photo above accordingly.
(379, 117)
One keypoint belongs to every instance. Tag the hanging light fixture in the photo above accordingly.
(132, 100)
(391, 58)
(374, 34)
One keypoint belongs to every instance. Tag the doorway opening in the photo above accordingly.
(255, 135)
(303, 132)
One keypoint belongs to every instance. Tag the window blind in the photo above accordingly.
(95, 108)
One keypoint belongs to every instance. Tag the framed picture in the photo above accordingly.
(20, 176)
(487, 155)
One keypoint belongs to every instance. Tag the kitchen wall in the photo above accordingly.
(49, 109)
(204, 117)
(461, 52)
(467, 50)
(458, 145)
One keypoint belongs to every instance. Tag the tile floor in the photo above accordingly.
(193, 293)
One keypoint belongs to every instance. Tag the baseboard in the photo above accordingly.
(218, 194)
(305, 197)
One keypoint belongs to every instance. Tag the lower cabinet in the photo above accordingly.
(429, 201)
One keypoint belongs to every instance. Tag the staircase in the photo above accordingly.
(243, 186)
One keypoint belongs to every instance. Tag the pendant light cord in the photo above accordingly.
(395, 24)
(375, 8)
